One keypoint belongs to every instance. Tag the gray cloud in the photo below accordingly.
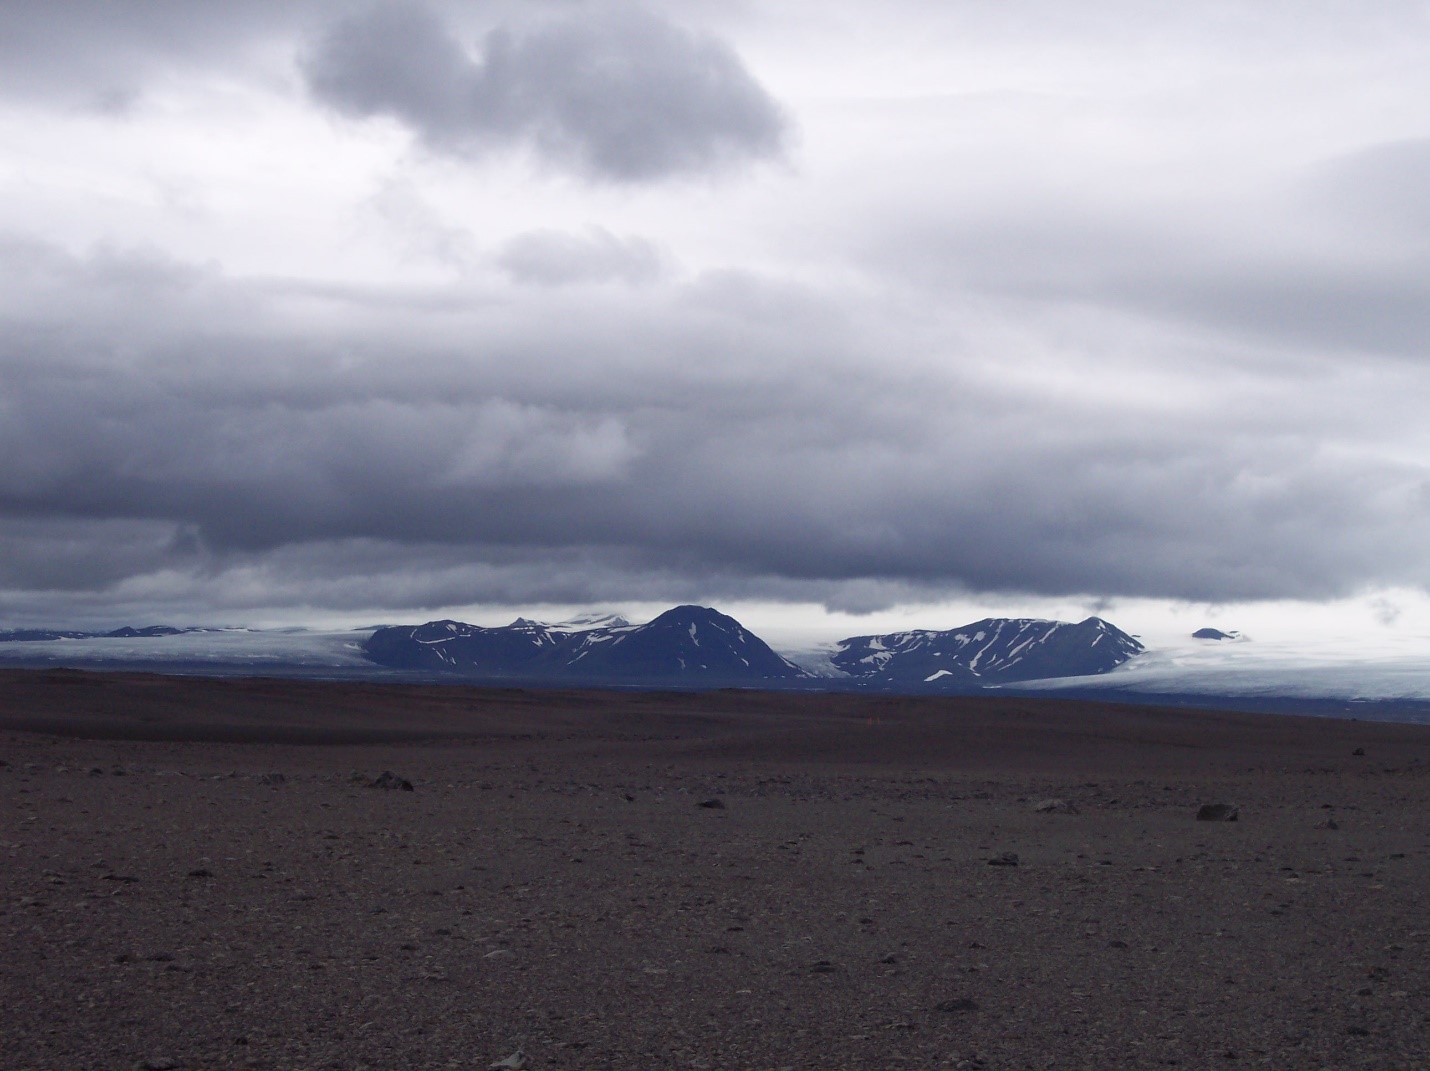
(1104, 308)
(555, 258)
(101, 55)
(620, 96)
(1376, 192)
(1332, 258)
(728, 437)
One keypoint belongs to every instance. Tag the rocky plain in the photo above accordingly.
(241, 873)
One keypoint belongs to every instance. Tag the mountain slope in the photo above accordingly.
(992, 651)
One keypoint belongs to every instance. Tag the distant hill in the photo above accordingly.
(1214, 634)
(996, 650)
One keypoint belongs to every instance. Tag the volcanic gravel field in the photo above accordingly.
(206, 873)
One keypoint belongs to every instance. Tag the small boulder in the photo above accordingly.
(391, 782)
(1217, 812)
(1054, 806)
(1004, 859)
(712, 804)
(958, 1004)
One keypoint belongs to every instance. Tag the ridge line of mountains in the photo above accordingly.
(128, 632)
(699, 645)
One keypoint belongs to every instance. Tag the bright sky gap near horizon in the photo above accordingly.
(839, 318)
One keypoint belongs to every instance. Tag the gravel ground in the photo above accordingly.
(725, 881)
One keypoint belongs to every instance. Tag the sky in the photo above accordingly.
(837, 316)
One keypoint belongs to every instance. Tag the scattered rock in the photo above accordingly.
(500, 953)
(1054, 806)
(158, 1063)
(1217, 812)
(1329, 823)
(712, 804)
(1358, 751)
(515, 1062)
(822, 966)
(958, 1004)
(1005, 859)
(201, 872)
(272, 779)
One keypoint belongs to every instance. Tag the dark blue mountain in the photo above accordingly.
(454, 646)
(686, 644)
(996, 650)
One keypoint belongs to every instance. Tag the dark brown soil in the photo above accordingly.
(198, 873)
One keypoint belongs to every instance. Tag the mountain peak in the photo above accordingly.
(692, 614)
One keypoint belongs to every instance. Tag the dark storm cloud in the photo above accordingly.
(726, 437)
(620, 96)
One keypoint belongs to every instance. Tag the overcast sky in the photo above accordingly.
(313, 310)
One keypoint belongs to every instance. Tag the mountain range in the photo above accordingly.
(1342, 676)
(695, 644)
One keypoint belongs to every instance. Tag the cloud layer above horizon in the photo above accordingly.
(386, 307)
